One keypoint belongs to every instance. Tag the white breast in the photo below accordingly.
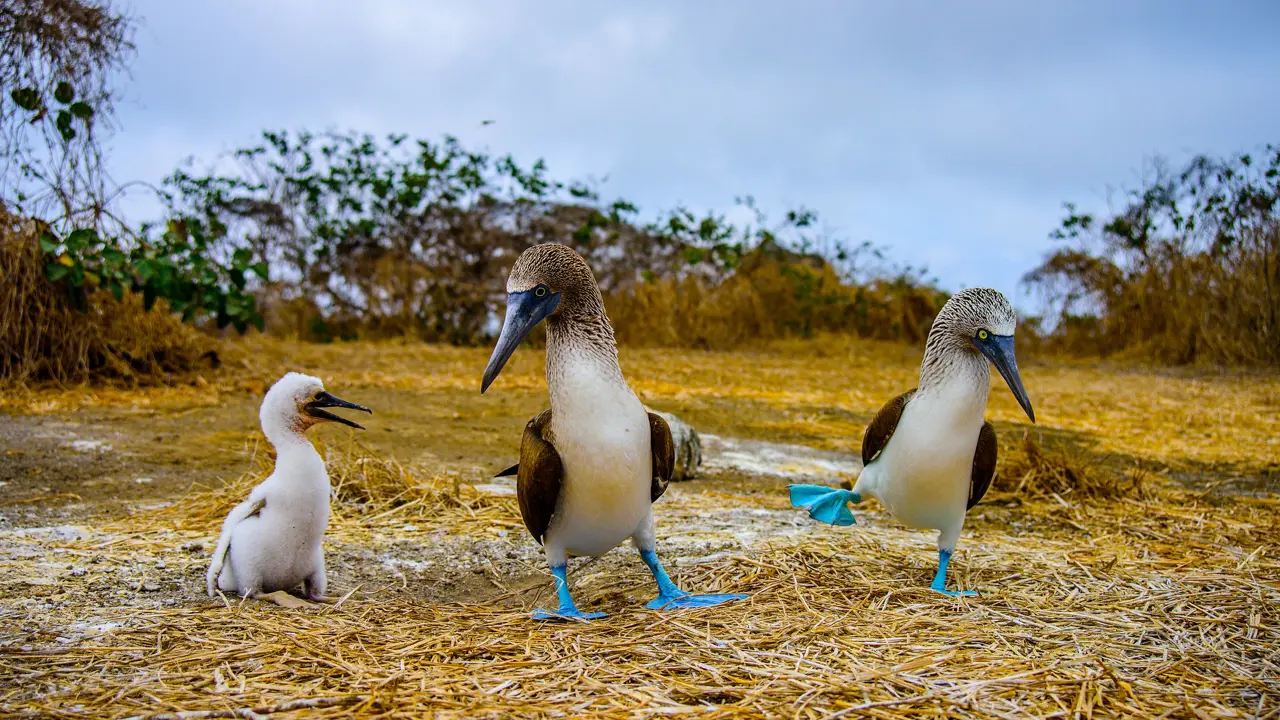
(923, 474)
(282, 545)
(601, 431)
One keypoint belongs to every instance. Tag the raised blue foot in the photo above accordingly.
(671, 597)
(567, 610)
(940, 579)
(825, 504)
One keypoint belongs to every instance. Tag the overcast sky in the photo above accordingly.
(950, 132)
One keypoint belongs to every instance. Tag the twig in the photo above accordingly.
(258, 712)
(881, 703)
(40, 498)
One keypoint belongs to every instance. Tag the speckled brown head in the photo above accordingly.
(548, 281)
(972, 310)
(975, 323)
(561, 271)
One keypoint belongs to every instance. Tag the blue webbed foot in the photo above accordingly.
(940, 579)
(688, 600)
(825, 504)
(565, 615)
(953, 593)
(671, 597)
(567, 610)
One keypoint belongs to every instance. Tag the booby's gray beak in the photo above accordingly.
(999, 349)
(315, 409)
(524, 311)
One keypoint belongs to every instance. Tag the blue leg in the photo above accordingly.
(940, 580)
(567, 610)
(825, 504)
(670, 596)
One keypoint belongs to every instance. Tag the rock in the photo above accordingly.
(688, 446)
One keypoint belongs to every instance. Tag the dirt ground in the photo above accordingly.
(63, 475)
(82, 471)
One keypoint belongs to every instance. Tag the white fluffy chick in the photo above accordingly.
(270, 543)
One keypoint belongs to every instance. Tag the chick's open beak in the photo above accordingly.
(322, 400)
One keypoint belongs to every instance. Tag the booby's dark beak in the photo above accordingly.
(999, 349)
(524, 311)
(315, 409)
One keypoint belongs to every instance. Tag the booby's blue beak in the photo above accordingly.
(999, 350)
(524, 311)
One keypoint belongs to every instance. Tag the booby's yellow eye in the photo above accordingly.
(540, 291)
(982, 334)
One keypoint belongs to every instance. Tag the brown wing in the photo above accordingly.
(664, 455)
(984, 464)
(538, 477)
(882, 427)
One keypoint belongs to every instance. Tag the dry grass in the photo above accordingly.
(1026, 469)
(366, 488)
(1103, 593)
(1126, 608)
(1186, 270)
(768, 298)
(44, 339)
(820, 392)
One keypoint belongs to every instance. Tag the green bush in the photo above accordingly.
(175, 266)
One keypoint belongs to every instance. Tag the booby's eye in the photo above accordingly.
(982, 334)
(540, 291)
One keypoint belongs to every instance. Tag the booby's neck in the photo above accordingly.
(577, 346)
(286, 436)
(953, 366)
(580, 347)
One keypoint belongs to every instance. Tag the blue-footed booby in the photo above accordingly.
(929, 456)
(270, 543)
(593, 464)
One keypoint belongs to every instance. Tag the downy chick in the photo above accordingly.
(271, 543)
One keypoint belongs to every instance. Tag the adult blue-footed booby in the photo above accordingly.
(591, 466)
(270, 543)
(928, 455)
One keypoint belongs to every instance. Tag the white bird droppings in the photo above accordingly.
(86, 446)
